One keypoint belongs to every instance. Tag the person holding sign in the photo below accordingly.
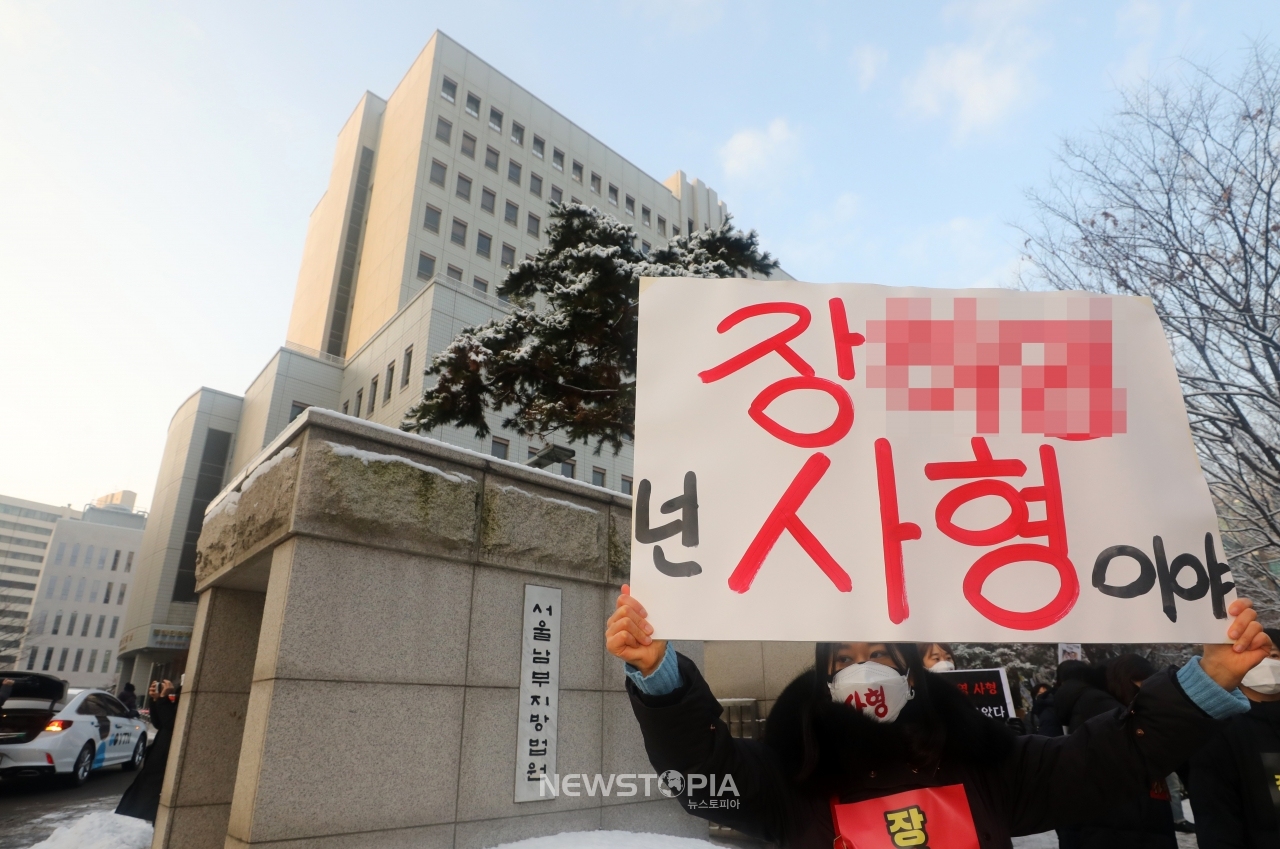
(868, 749)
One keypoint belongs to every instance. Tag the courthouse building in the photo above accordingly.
(435, 192)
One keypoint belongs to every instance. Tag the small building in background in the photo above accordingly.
(25, 530)
(90, 570)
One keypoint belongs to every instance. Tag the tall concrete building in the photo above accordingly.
(88, 575)
(435, 192)
(25, 530)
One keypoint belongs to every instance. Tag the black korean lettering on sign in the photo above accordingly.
(537, 608)
(541, 632)
(537, 748)
(686, 526)
(1207, 576)
(541, 678)
(542, 656)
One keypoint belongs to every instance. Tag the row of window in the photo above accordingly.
(577, 172)
(80, 588)
(386, 393)
(42, 618)
(26, 529)
(501, 448)
(62, 659)
(29, 543)
(88, 557)
(26, 513)
(488, 203)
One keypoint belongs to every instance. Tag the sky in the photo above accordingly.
(159, 161)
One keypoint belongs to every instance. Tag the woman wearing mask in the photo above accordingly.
(869, 744)
(937, 657)
(1233, 777)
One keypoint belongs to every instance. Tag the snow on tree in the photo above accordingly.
(565, 358)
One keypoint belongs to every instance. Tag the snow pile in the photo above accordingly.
(609, 840)
(518, 491)
(100, 830)
(368, 457)
(232, 499)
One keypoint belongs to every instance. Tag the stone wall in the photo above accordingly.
(353, 678)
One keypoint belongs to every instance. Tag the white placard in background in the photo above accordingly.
(539, 691)
(858, 462)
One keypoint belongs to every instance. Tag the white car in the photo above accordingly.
(46, 730)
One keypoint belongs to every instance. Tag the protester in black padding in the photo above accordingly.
(821, 755)
(1143, 819)
(142, 798)
(128, 697)
(1234, 790)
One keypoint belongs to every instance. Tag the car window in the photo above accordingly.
(114, 706)
(94, 705)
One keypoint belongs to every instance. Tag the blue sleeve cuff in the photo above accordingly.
(1207, 694)
(665, 679)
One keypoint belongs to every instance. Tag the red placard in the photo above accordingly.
(931, 817)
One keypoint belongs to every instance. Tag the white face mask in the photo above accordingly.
(1265, 677)
(943, 666)
(879, 691)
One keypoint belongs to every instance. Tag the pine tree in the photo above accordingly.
(565, 358)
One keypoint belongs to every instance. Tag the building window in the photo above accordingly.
(106, 660)
(513, 171)
(75, 664)
(31, 657)
(128, 562)
(464, 187)
(345, 405)
(458, 234)
(71, 624)
(534, 226)
(295, 410)
(613, 195)
(66, 589)
(631, 205)
(444, 130)
(512, 214)
(596, 183)
(508, 257)
(359, 402)
(517, 133)
(106, 596)
(469, 145)
(480, 284)
(93, 660)
(48, 658)
(88, 557)
(84, 630)
(438, 172)
(40, 620)
(391, 375)
(491, 159)
(408, 362)
(626, 485)
(539, 147)
(557, 196)
(597, 476)
(662, 226)
(644, 215)
(690, 231)
(535, 185)
(93, 592)
(62, 548)
(373, 394)
(57, 623)
(675, 231)
(80, 585)
(62, 659)
(426, 270)
(569, 469)
(484, 244)
(115, 559)
(499, 447)
(495, 119)
(473, 105)
(432, 219)
(645, 247)
(102, 622)
(488, 198)
(75, 554)
(577, 171)
(115, 623)
(454, 273)
(449, 91)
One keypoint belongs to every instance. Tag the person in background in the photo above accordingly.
(1142, 820)
(128, 697)
(142, 798)
(867, 727)
(937, 657)
(1235, 778)
(1044, 721)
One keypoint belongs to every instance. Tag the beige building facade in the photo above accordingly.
(26, 528)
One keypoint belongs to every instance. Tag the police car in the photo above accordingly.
(47, 730)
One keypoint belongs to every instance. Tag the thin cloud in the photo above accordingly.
(979, 82)
(756, 153)
(867, 60)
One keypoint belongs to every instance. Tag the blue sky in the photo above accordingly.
(158, 161)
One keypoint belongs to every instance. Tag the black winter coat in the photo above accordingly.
(1233, 790)
(1045, 717)
(142, 798)
(1144, 820)
(1015, 785)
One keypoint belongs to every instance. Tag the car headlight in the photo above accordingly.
(58, 725)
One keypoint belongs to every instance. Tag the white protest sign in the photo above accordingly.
(858, 462)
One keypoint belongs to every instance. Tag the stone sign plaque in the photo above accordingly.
(539, 692)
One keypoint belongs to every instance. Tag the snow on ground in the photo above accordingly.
(609, 840)
(100, 830)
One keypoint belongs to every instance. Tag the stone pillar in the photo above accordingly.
(195, 803)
